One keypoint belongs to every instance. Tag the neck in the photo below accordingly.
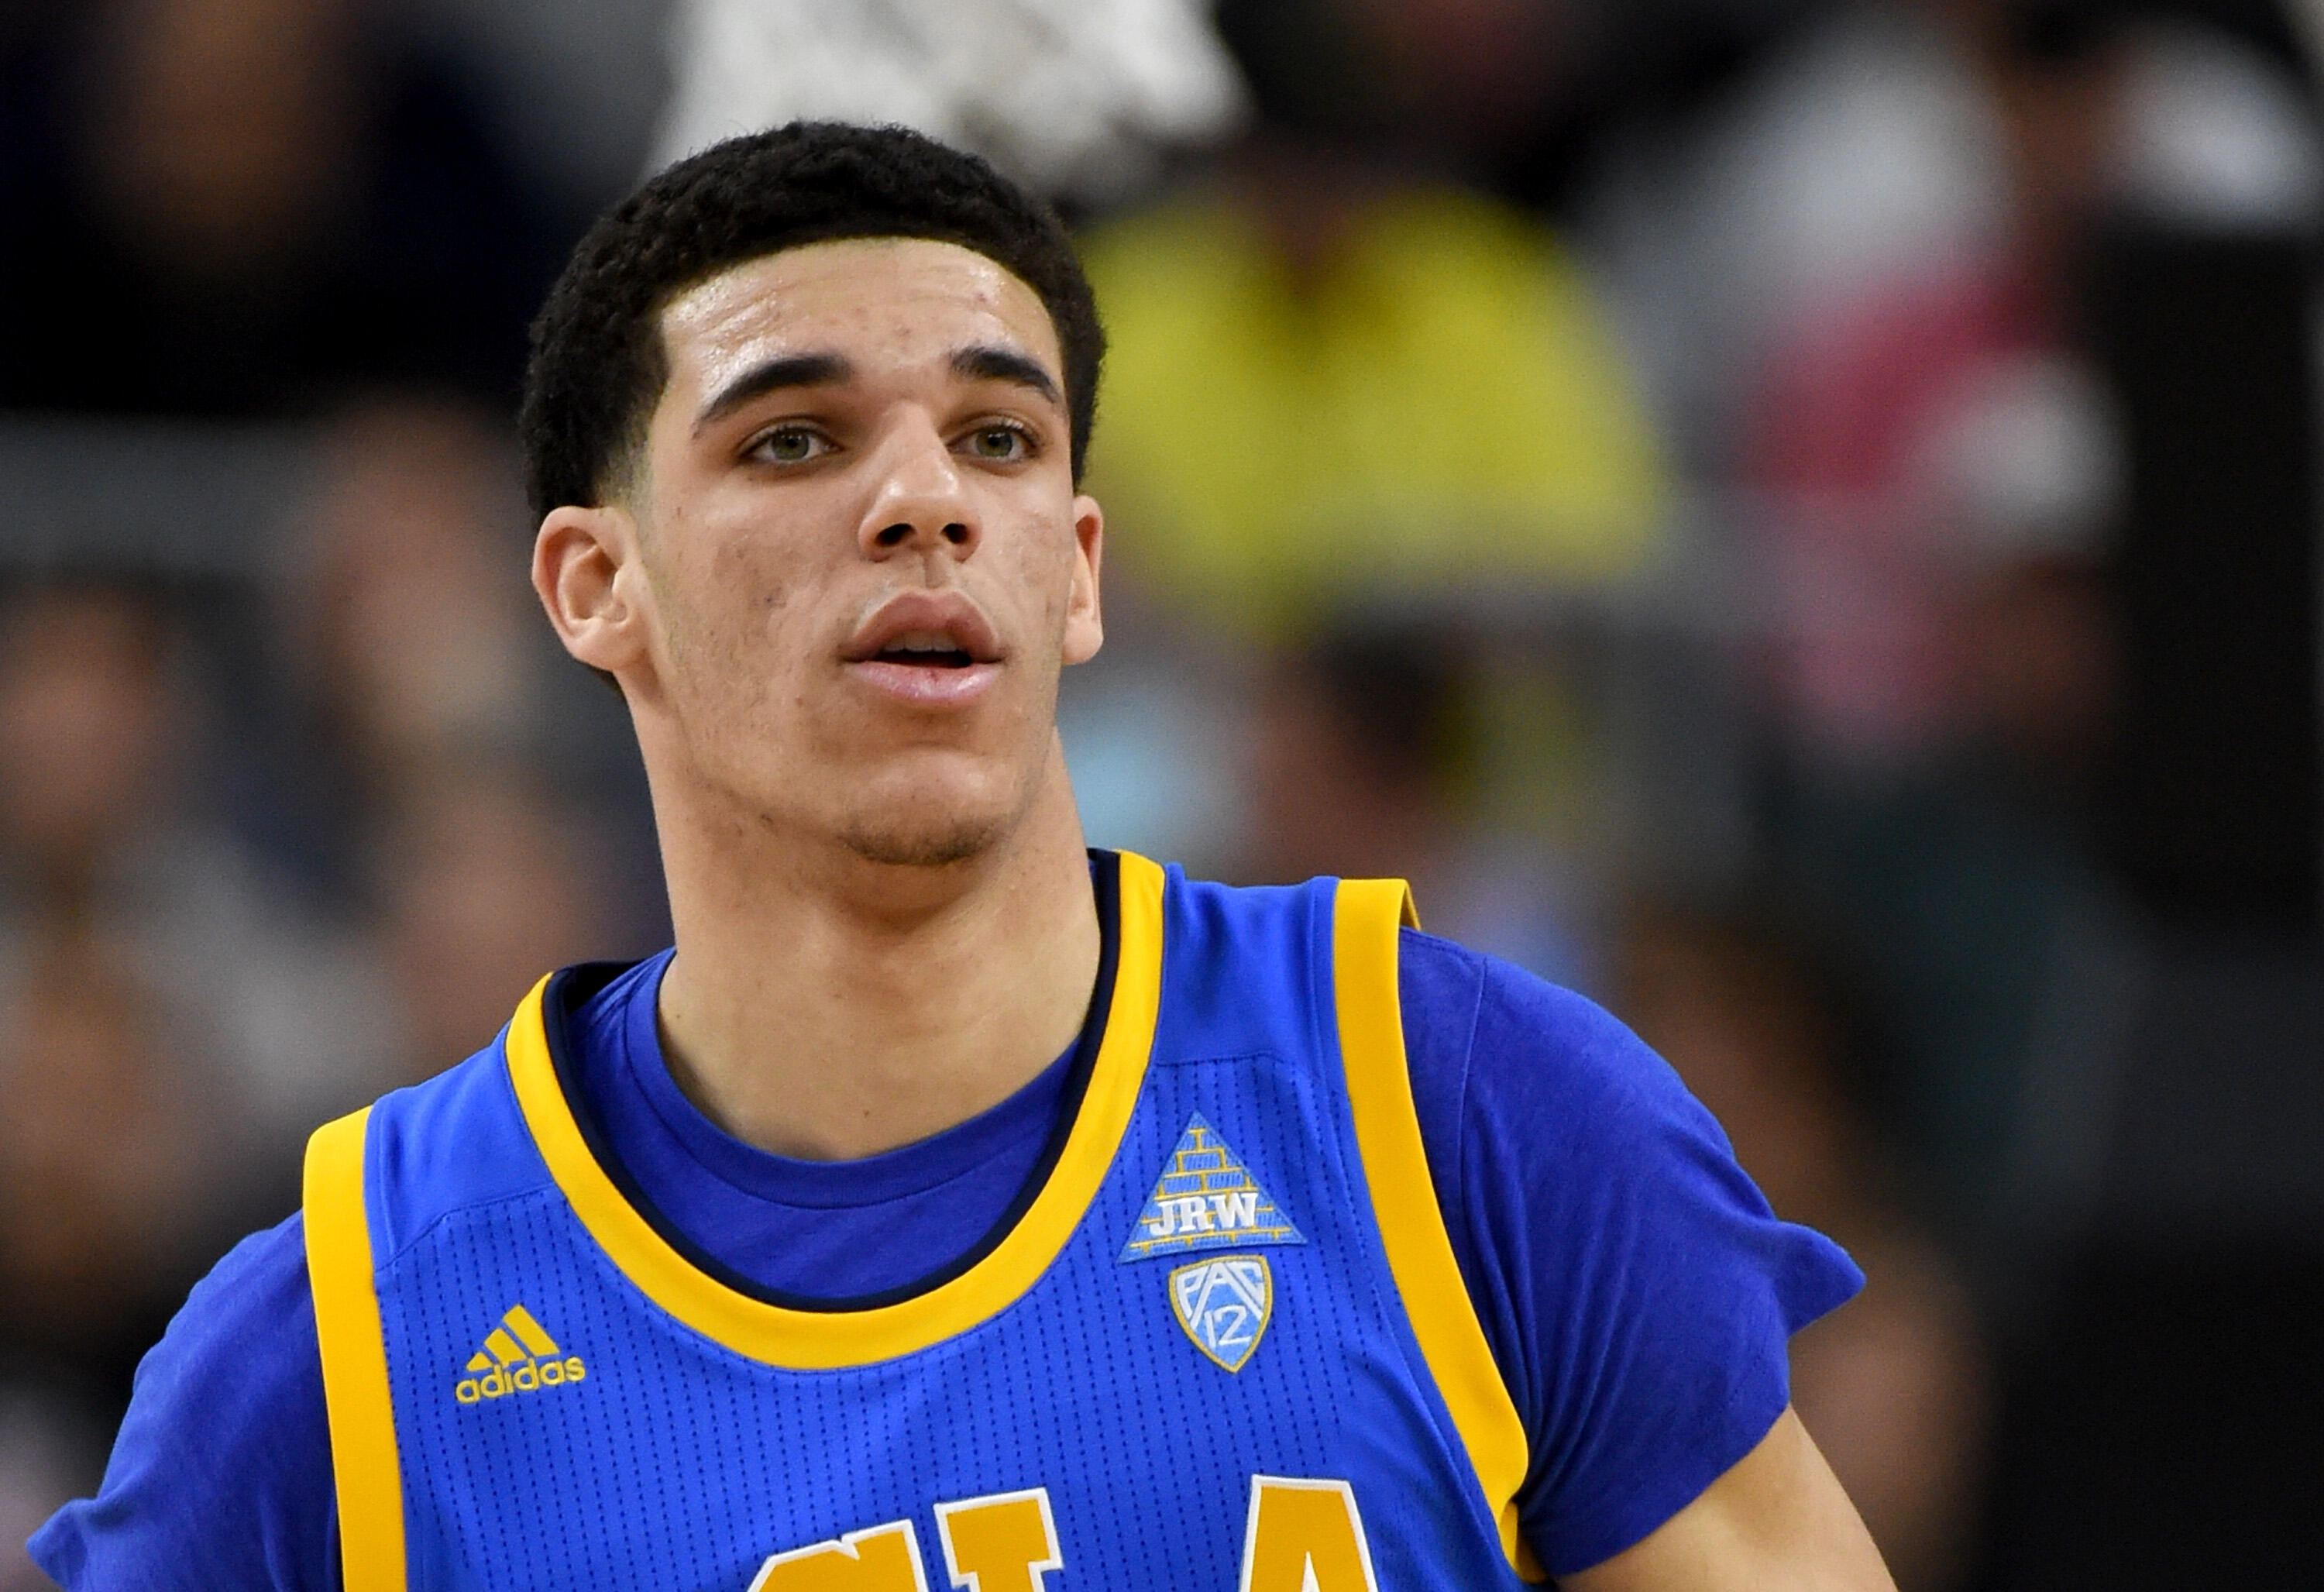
(825, 1007)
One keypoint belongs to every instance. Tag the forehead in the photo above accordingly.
(881, 302)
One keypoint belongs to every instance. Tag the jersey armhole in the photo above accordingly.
(1367, 918)
(366, 1471)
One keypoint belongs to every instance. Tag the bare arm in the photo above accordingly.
(1777, 1519)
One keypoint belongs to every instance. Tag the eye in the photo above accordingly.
(790, 444)
(1002, 444)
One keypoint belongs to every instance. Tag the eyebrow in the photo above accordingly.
(987, 362)
(792, 370)
(981, 362)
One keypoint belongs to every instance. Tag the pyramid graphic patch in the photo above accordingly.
(1206, 1199)
(519, 1355)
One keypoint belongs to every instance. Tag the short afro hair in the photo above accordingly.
(598, 364)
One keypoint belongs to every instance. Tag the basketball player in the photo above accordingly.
(954, 1206)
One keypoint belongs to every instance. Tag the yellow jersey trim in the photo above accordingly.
(1366, 917)
(365, 1465)
(809, 1340)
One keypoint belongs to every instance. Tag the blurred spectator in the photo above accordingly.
(485, 883)
(121, 1164)
(1968, 878)
(418, 654)
(244, 207)
(1925, 439)
(111, 1146)
(84, 717)
(114, 1195)
(1079, 98)
(1365, 749)
(103, 843)
(1882, 146)
(1333, 377)
(1893, 1387)
(411, 619)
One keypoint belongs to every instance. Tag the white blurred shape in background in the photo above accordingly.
(1078, 98)
(2024, 459)
(2219, 139)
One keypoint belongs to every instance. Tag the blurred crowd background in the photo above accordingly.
(1798, 518)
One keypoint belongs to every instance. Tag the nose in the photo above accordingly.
(920, 504)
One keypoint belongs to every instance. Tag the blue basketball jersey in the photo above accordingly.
(1223, 1344)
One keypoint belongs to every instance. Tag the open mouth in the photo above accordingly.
(926, 650)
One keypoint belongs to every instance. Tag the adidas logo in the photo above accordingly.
(519, 1355)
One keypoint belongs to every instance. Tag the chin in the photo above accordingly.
(925, 844)
(932, 807)
(933, 812)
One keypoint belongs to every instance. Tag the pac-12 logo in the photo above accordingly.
(519, 1355)
(1224, 1303)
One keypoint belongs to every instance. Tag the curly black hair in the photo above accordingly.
(598, 366)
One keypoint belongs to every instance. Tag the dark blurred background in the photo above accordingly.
(1798, 517)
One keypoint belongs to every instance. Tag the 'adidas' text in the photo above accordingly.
(519, 1355)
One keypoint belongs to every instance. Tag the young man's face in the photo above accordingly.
(864, 558)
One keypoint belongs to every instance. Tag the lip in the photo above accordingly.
(926, 685)
(951, 612)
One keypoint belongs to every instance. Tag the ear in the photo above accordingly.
(586, 569)
(1084, 622)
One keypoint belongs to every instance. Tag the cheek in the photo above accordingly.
(1043, 568)
(747, 575)
(733, 607)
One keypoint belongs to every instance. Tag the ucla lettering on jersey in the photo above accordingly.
(1224, 1344)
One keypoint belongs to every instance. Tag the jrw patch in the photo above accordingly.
(1206, 1199)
